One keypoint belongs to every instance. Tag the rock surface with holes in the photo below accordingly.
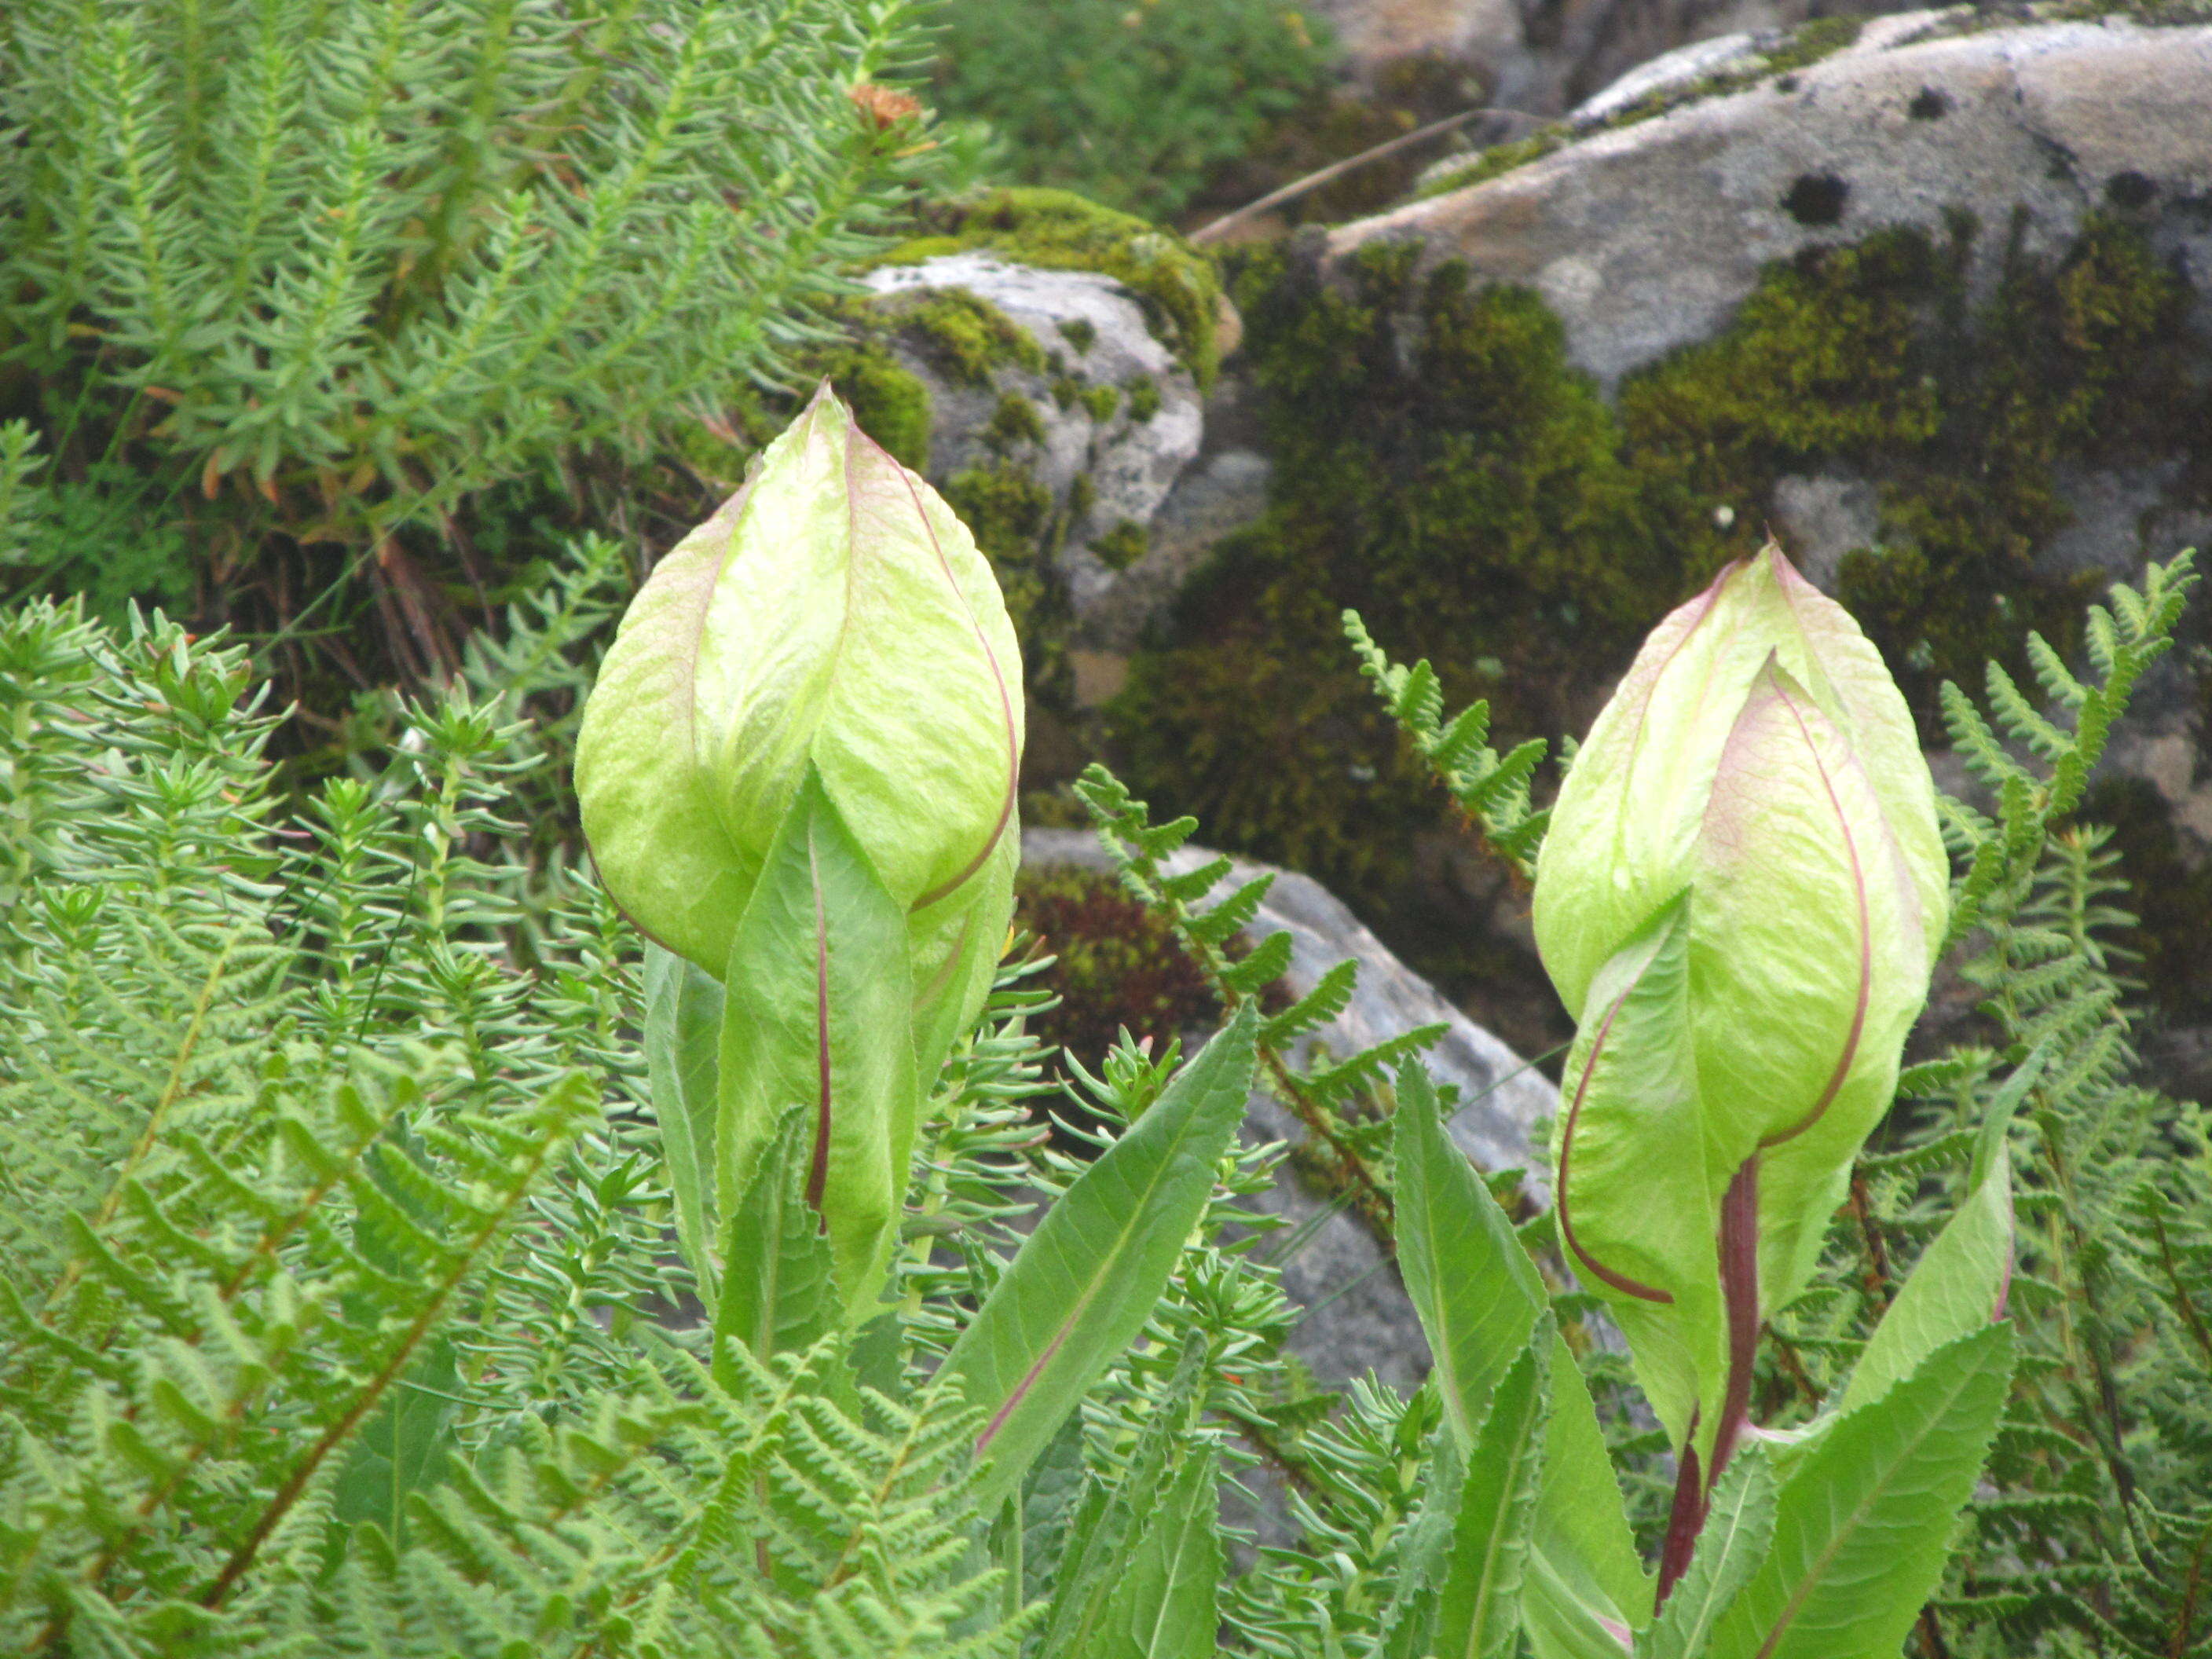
(1645, 237)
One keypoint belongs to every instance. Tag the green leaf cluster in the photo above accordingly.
(298, 279)
(2087, 1532)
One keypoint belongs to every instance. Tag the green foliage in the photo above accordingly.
(2091, 1527)
(317, 275)
(331, 1238)
(1138, 106)
(1490, 788)
(337, 1310)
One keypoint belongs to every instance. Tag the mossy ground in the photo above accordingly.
(1443, 468)
(1054, 230)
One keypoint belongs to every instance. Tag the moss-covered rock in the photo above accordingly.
(964, 334)
(1442, 467)
(1878, 356)
(1057, 230)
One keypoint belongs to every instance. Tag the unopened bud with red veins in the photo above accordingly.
(835, 613)
(1739, 898)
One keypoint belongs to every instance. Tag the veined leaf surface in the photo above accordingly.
(1863, 1524)
(1086, 1279)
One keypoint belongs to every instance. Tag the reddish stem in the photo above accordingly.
(1684, 1520)
(1738, 1246)
(1739, 1254)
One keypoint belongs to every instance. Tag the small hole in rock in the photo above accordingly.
(1787, 83)
(1928, 104)
(2129, 189)
(1816, 198)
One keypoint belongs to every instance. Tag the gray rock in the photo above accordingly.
(1093, 334)
(1645, 238)
(1359, 1319)
(1547, 56)
(1684, 66)
(1220, 493)
(1819, 519)
(2114, 508)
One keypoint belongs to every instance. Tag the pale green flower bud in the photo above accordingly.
(833, 611)
(1739, 898)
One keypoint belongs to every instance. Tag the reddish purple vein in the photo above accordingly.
(817, 1174)
(1866, 942)
(1621, 1282)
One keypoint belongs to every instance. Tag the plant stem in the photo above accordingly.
(1738, 1248)
(1686, 1518)
(1738, 1253)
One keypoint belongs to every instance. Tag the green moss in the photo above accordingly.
(1121, 546)
(891, 402)
(1809, 43)
(1015, 422)
(1143, 398)
(1011, 514)
(1875, 355)
(1496, 159)
(1054, 230)
(1079, 332)
(965, 334)
(1081, 494)
(1102, 401)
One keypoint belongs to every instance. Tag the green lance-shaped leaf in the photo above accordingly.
(819, 1014)
(1478, 1610)
(1084, 1283)
(1959, 1283)
(1863, 1524)
(1476, 1291)
(779, 1293)
(1478, 1298)
(1739, 1527)
(1107, 1517)
(1164, 1605)
(1410, 1615)
(682, 1041)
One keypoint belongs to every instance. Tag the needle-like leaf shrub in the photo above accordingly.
(331, 1239)
(305, 273)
